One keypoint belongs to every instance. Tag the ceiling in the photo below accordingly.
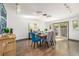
(55, 10)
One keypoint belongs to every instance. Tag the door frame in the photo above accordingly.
(67, 29)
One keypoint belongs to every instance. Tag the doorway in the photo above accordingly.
(61, 30)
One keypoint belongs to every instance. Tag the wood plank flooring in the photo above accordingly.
(62, 48)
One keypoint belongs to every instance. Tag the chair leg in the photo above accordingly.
(55, 43)
(47, 44)
(37, 43)
(34, 44)
(51, 42)
(31, 44)
(40, 43)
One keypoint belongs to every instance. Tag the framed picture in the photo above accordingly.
(3, 12)
(3, 18)
(75, 24)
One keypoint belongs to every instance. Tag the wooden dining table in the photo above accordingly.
(42, 35)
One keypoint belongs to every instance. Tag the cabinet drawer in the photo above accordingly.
(10, 46)
(10, 53)
(8, 40)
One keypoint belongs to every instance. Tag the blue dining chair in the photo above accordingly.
(35, 39)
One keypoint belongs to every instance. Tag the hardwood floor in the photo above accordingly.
(62, 48)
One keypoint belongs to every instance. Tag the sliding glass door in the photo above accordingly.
(61, 29)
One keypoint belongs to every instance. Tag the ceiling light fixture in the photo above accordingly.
(17, 8)
(66, 5)
(47, 15)
(44, 14)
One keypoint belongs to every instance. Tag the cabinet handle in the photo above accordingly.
(10, 42)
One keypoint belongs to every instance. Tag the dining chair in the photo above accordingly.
(29, 35)
(50, 38)
(53, 38)
(35, 39)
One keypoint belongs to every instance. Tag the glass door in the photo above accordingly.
(61, 30)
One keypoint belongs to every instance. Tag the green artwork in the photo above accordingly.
(75, 24)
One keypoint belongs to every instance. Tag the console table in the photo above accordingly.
(8, 45)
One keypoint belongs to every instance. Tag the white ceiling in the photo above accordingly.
(56, 10)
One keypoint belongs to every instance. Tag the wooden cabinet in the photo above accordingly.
(1, 49)
(8, 45)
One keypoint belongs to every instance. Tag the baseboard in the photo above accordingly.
(74, 40)
(22, 39)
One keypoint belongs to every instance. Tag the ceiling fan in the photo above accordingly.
(43, 14)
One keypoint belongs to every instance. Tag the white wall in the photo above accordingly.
(19, 25)
(73, 34)
(13, 21)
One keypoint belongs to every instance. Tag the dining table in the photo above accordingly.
(42, 35)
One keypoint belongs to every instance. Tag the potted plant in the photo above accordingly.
(46, 30)
(6, 30)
